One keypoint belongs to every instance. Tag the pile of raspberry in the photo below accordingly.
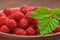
(16, 21)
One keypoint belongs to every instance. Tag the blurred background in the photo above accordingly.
(18, 3)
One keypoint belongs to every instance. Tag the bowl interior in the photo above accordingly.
(12, 35)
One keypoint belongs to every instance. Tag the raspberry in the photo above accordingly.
(20, 32)
(4, 29)
(11, 23)
(33, 21)
(28, 13)
(57, 29)
(15, 10)
(34, 8)
(30, 31)
(14, 30)
(23, 23)
(34, 27)
(7, 11)
(37, 31)
(17, 16)
(2, 14)
(3, 20)
(25, 8)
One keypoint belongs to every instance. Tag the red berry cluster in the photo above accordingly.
(16, 21)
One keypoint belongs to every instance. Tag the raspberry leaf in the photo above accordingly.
(46, 23)
(40, 13)
(56, 13)
(46, 26)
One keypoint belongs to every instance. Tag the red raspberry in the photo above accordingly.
(16, 10)
(57, 29)
(4, 29)
(14, 30)
(3, 20)
(23, 23)
(25, 8)
(20, 32)
(8, 11)
(17, 16)
(32, 21)
(2, 14)
(34, 27)
(28, 13)
(11, 23)
(30, 31)
(37, 31)
(34, 8)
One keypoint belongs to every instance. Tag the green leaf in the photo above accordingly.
(40, 13)
(46, 26)
(47, 23)
(56, 13)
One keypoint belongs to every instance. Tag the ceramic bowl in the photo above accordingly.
(5, 36)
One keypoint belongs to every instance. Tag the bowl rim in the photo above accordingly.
(13, 35)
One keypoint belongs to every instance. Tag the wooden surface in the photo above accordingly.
(17, 3)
